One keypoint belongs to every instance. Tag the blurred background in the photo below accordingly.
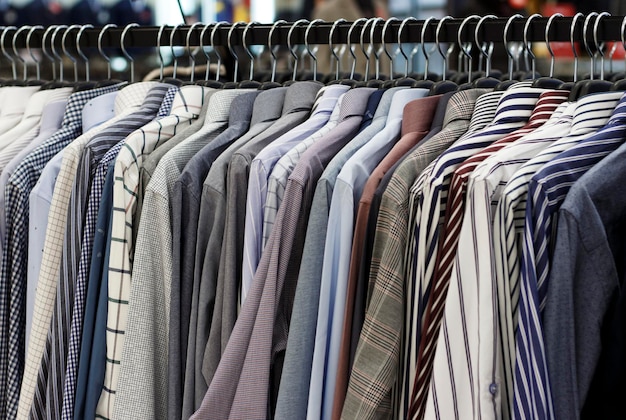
(172, 12)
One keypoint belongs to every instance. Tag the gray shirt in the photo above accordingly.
(585, 280)
(186, 195)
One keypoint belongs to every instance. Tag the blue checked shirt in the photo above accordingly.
(14, 256)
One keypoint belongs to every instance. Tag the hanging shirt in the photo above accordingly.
(361, 400)
(293, 394)
(348, 188)
(483, 344)
(185, 287)
(249, 396)
(546, 191)
(149, 301)
(14, 101)
(261, 168)
(127, 164)
(15, 256)
(79, 239)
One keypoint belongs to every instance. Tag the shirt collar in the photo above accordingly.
(52, 115)
(300, 96)
(461, 105)
(241, 107)
(15, 99)
(413, 115)
(268, 106)
(327, 99)
(189, 99)
(400, 99)
(485, 109)
(619, 113)
(132, 96)
(593, 111)
(516, 105)
(220, 104)
(38, 101)
(98, 110)
(547, 105)
(354, 102)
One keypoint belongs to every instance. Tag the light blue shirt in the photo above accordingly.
(95, 112)
(338, 248)
(261, 168)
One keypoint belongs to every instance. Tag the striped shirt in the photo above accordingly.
(137, 146)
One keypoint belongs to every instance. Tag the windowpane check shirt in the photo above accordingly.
(133, 151)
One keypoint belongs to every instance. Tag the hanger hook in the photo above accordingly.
(54, 50)
(527, 45)
(80, 51)
(486, 52)
(400, 30)
(468, 48)
(505, 37)
(375, 22)
(216, 50)
(206, 54)
(547, 37)
(384, 43)
(231, 49)
(101, 51)
(17, 55)
(174, 29)
(126, 54)
(443, 55)
(422, 37)
(247, 48)
(30, 51)
(599, 45)
(366, 52)
(350, 46)
(158, 47)
(290, 45)
(66, 52)
(592, 58)
(306, 45)
(6, 54)
(571, 40)
(192, 55)
(332, 48)
(50, 57)
(271, 47)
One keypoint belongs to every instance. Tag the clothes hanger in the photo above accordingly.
(390, 82)
(585, 87)
(444, 85)
(312, 51)
(512, 79)
(55, 82)
(570, 85)
(465, 78)
(78, 86)
(405, 80)
(486, 81)
(272, 83)
(234, 84)
(28, 28)
(32, 56)
(109, 80)
(292, 50)
(367, 52)
(207, 82)
(350, 81)
(425, 83)
(250, 83)
(549, 82)
(87, 84)
(191, 54)
(620, 83)
(422, 46)
(15, 81)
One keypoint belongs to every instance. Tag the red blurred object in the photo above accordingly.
(518, 4)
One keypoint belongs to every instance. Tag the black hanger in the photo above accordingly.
(485, 79)
(215, 84)
(549, 82)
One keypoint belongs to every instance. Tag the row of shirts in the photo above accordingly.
(305, 252)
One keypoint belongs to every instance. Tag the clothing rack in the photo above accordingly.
(609, 29)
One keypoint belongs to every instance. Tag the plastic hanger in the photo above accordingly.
(444, 85)
(585, 87)
(511, 79)
(486, 51)
(549, 82)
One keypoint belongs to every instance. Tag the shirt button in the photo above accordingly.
(493, 388)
